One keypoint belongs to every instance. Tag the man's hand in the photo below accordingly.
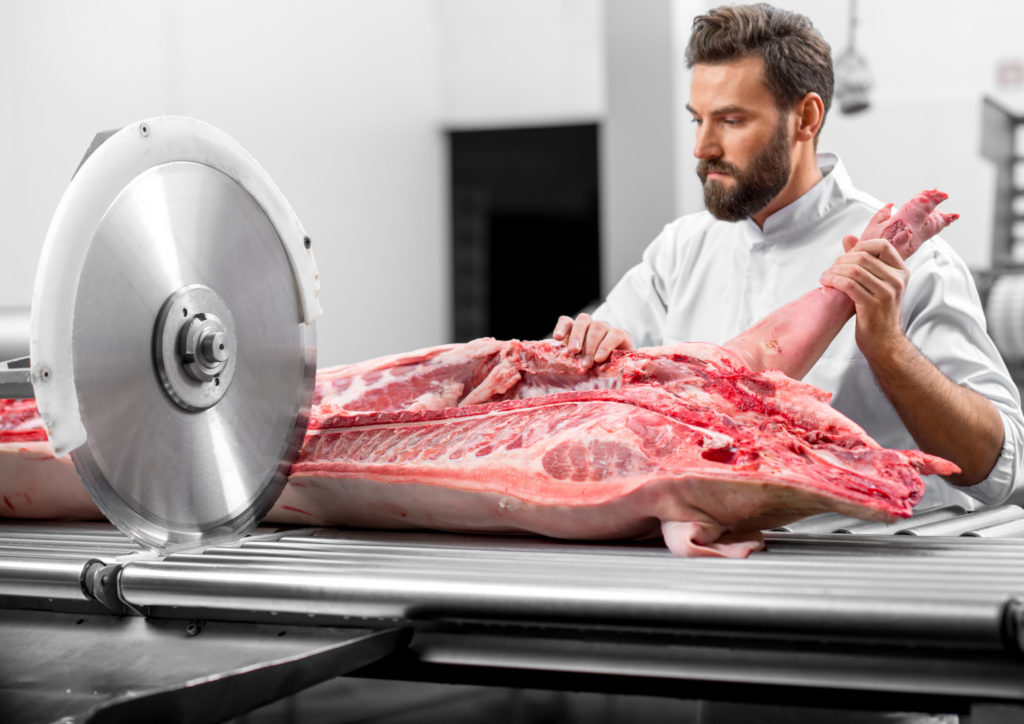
(591, 338)
(872, 274)
(944, 418)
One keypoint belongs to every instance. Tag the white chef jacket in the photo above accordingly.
(707, 280)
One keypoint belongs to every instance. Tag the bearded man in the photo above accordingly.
(916, 368)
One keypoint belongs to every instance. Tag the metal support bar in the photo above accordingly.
(855, 678)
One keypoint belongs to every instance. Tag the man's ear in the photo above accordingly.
(810, 112)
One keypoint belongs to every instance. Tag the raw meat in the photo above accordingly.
(646, 442)
(33, 483)
(702, 444)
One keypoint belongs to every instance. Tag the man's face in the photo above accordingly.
(743, 141)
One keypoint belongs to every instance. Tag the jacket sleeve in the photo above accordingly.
(638, 303)
(943, 317)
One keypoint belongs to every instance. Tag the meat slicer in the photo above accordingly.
(172, 355)
(172, 347)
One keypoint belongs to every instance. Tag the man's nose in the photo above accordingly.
(706, 145)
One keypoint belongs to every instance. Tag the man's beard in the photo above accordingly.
(753, 188)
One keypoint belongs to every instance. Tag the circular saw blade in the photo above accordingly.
(183, 256)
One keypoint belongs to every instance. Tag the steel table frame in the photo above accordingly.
(907, 623)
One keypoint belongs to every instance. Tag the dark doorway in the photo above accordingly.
(525, 228)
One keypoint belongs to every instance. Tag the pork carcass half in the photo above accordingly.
(705, 445)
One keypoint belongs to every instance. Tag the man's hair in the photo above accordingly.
(797, 60)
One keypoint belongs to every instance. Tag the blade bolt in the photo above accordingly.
(195, 351)
(212, 347)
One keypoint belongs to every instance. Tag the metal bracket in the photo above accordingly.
(102, 582)
(16, 379)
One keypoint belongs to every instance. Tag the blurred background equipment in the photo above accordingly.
(1002, 285)
(853, 77)
(14, 324)
(1001, 128)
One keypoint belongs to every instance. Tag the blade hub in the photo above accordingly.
(202, 347)
(194, 347)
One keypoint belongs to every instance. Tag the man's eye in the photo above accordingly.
(695, 120)
(732, 121)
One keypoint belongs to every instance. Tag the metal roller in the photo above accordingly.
(967, 523)
(824, 523)
(283, 589)
(925, 517)
(903, 596)
(1009, 529)
(59, 578)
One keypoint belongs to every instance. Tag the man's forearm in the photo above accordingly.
(944, 418)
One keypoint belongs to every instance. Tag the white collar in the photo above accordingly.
(833, 189)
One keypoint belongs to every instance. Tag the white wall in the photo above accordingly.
(339, 100)
(344, 102)
(639, 178)
(521, 62)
